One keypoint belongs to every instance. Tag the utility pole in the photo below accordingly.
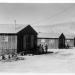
(15, 24)
(15, 31)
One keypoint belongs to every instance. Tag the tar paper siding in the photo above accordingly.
(27, 40)
(52, 43)
(8, 43)
(70, 42)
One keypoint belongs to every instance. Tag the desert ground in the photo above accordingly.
(61, 61)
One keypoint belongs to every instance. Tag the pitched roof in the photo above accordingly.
(27, 30)
(54, 31)
(53, 35)
(11, 28)
(62, 36)
(43, 32)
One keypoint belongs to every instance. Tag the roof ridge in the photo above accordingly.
(11, 28)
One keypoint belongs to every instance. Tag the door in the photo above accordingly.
(27, 43)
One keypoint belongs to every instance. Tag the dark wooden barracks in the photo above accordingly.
(26, 39)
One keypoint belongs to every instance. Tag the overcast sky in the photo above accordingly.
(37, 14)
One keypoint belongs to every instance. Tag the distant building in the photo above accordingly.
(61, 41)
(55, 41)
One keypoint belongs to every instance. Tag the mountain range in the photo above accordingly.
(53, 31)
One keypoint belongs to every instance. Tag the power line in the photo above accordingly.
(50, 17)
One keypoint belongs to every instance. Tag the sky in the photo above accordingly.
(37, 13)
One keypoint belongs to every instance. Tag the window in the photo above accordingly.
(4, 38)
(43, 40)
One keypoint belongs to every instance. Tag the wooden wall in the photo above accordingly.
(8, 43)
(53, 43)
(70, 42)
(26, 43)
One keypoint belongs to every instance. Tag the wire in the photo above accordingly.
(50, 17)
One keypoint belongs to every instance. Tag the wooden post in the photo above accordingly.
(74, 41)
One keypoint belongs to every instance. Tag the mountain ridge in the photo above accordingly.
(68, 29)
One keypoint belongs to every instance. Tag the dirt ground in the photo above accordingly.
(61, 61)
